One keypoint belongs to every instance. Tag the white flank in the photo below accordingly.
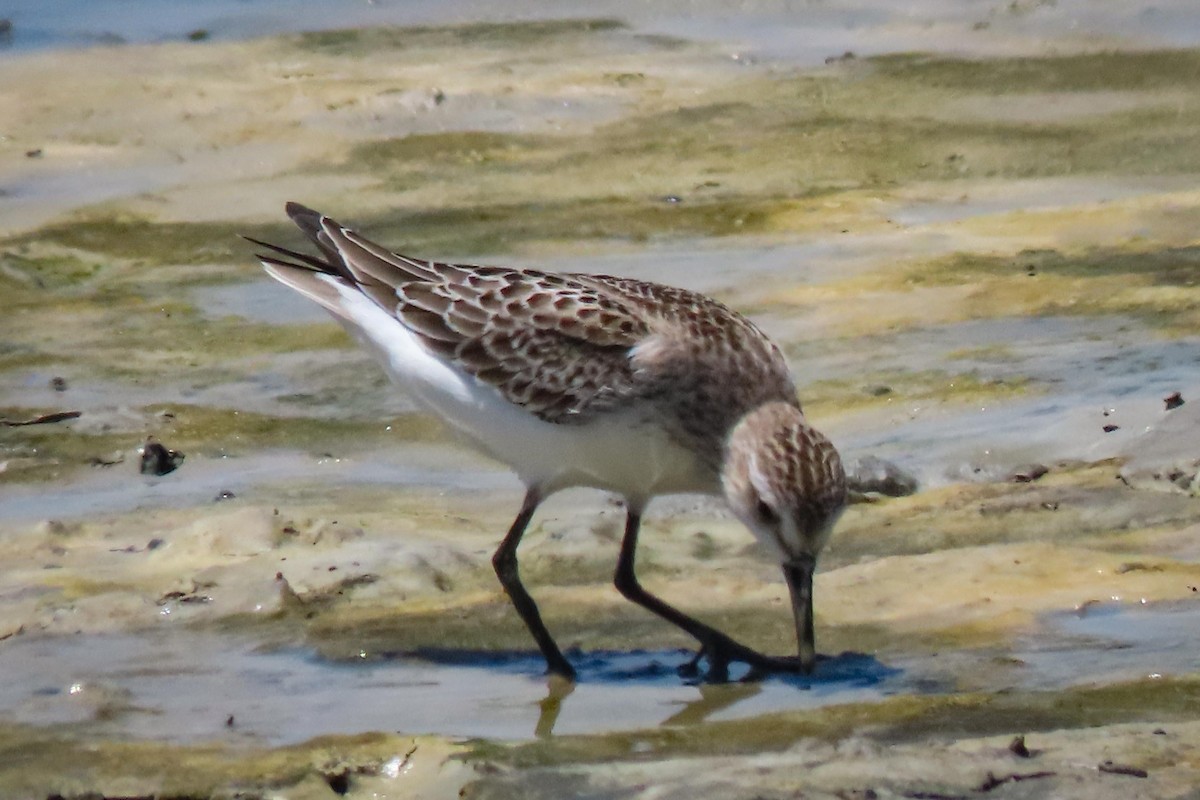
(616, 452)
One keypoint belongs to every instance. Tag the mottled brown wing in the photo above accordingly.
(554, 344)
(706, 363)
(551, 344)
(697, 317)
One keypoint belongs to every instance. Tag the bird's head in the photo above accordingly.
(785, 481)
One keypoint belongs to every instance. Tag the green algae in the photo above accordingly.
(509, 35)
(123, 236)
(35, 756)
(45, 762)
(746, 156)
(45, 272)
(901, 719)
(1142, 70)
(234, 431)
(448, 149)
(750, 157)
(1159, 286)
(879, 389)
(505, 227)
(1168, 266)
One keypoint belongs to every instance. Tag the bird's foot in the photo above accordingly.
(720, 651)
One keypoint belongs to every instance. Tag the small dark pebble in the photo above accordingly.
(58, 383)
(339, 781)
(159, 460)
(1173, 400)
(1159, 732)
(874, 475)
(224, 494)
(1017, 747)
(154, 544)
(1121, 769)
(1028, 473)
(1111, 428)
(993, 782)
(34, 153)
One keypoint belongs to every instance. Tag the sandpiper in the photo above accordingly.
(591, 380)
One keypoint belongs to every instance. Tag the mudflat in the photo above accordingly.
(973, 234)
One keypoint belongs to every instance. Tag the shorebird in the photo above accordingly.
(628, 386)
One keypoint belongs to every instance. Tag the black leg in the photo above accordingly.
(505, 562)
(716, 646)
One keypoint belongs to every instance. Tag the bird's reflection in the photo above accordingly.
(712, 698)
(550, 706)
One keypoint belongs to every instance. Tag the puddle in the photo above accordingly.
(183, 685)
(1124, 642)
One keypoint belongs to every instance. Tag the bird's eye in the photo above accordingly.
(765, 513)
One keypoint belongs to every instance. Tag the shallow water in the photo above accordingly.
(182, 685)
(798, 32)
(1123, 642)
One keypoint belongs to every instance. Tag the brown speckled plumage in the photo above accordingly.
(633, 386)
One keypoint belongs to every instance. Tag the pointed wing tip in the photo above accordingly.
(295, 210)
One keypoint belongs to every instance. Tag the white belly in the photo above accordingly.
(616, 452)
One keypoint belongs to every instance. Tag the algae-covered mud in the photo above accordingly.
(972, 227)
